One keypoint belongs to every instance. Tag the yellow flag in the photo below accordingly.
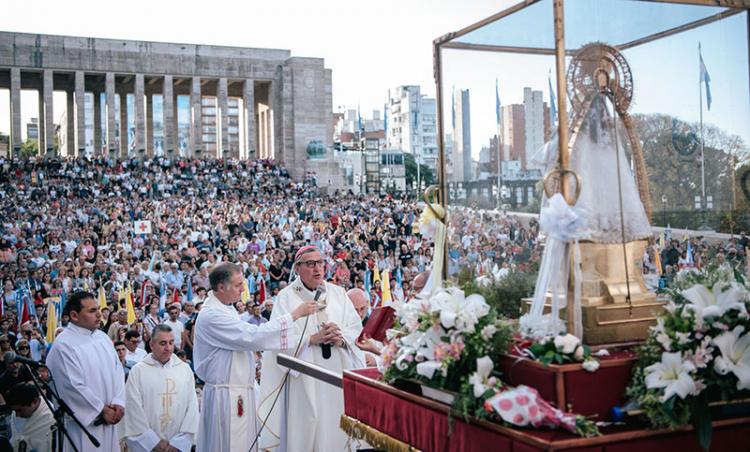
(375, 274)
(129, 306)
(385, 289)
(51, 319)
(245, 297)
(657, 261)
(102, 298)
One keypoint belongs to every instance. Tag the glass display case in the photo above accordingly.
(517, 95)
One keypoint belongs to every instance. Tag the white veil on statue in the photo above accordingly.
(596, 216)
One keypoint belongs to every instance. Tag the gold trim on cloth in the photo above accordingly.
(375, 438)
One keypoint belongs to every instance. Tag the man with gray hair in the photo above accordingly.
(224, 359)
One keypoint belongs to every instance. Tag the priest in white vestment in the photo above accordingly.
(31, 421)
(309, 410)
(162, 407)
(88, 375)
(223, 357)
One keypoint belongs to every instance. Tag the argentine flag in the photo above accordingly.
(705, 78)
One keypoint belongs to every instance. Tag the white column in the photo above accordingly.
(169, 144)
(98, 124)
(15, 111)
(248, 100)
(140, 119)
(70, 115)
(48, 117)
(195, 147)
(80, 113)
(223, 125)
(124, 150)
(111, 133)
(150, 125)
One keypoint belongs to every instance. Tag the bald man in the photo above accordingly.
(419, 282)
(370, 347)
(358, 297)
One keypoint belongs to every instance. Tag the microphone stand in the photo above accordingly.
(60, 431)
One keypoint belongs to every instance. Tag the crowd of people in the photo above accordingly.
(143, 237)
(69, 225)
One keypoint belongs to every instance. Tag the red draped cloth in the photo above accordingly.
(423, 424)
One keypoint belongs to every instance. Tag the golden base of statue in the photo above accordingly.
(607, 317)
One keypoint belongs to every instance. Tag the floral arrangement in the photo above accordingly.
(450, 342)
(562, 349)
(698, 352)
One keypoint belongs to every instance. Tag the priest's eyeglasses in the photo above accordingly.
(312, 264)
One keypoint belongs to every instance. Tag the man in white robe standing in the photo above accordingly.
(312, 408)
(223, 357)
(162, 408)
(88, 375)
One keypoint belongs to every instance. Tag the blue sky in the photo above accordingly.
(374, 46)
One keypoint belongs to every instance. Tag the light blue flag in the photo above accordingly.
(359, 119)
(399, 278)
(61, 307)
(552, 100)
(385, 120)
(251, 284)
(705, 78)
(497, 103)
(367, 284)
(189, 295)
(162, 297)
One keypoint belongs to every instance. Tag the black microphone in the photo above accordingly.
(10, 358)
(326, 348)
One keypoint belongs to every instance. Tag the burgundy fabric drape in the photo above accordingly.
(427, 428)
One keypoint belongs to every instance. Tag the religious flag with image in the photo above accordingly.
(368, 285)
(162, 297)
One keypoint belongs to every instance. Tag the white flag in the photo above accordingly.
(142, 227)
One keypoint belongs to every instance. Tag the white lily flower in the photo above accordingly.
(578, 355)
(722, 298)
(488, 331)
(672, 374)
(567, 343)
(479, 378)
(735, 356)
(427, 368)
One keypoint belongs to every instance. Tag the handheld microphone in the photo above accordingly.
(11, 357)
(326, 348)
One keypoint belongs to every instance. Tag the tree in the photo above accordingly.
(29, 148)
(671, 148)
(410, 167)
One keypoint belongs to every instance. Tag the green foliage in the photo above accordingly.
(29, 148)
(410, 168)
(678, 175)
(504, 295)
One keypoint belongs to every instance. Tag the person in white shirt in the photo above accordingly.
(224, 357)
(88, 374)
(162, 407)
(176, 325)
(134, 354)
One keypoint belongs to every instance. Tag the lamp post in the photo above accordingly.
(664, 209)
